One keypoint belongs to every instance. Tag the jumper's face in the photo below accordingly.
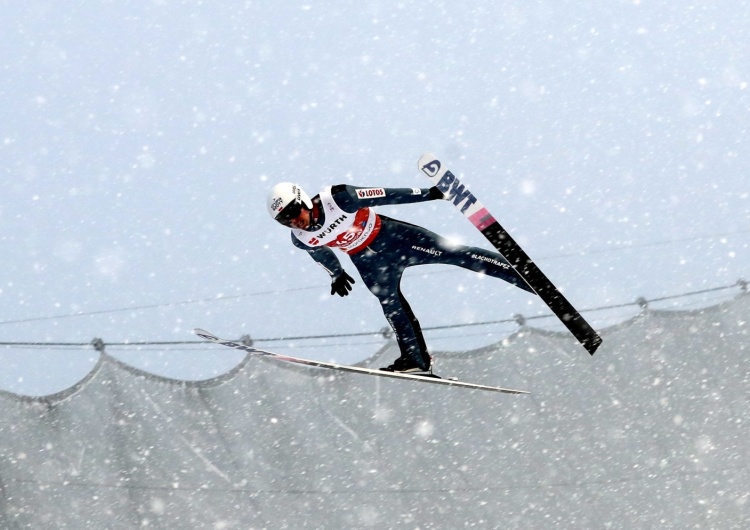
(295, 216)
(302, 221)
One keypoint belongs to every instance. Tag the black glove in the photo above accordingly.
(436, 194)
(342, 284)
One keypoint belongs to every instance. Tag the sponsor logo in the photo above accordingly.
(416, 191)
(431, 168)
(369, 193)
(491, 260)
(276, 204)
(331, 227)
(451, 187)
(455, 191)
(428, 250)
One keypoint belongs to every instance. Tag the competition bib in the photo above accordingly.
(350, 232)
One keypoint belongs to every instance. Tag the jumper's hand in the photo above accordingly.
(342, 284)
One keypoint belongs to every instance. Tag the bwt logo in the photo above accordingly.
(431, 168)
(450, 186)
(455, 191)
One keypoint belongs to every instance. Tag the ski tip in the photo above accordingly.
(202, 333)
(424, 159)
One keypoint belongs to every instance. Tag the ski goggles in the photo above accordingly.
(289, 213)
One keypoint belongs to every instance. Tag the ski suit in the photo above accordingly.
(381, 248)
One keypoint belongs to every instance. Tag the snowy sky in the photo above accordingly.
(139, 139)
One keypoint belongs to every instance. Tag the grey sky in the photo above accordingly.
(139, 139)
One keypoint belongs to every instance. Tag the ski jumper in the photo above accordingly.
(381, 249)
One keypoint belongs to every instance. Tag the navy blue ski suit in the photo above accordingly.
(396, 245)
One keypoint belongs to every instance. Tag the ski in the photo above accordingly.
(483, 220)
(353, 369)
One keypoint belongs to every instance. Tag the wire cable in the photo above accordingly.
(222, 298)
(641, 302)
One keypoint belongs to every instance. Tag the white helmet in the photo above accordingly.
(286, 194)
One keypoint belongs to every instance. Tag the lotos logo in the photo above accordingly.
(369, 193)
(431, 168)
(276, 204)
